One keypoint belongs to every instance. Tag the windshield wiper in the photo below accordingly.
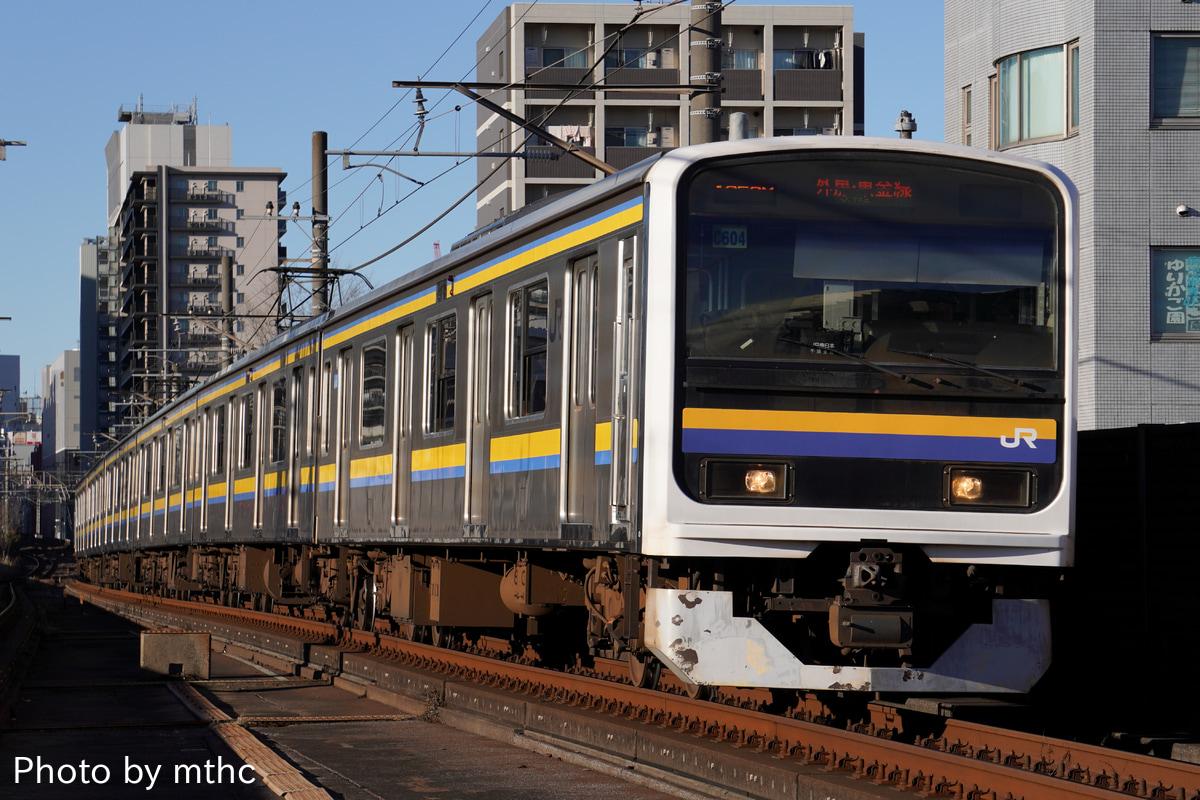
(974, 368)
(817, 348)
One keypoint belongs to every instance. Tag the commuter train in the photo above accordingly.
(793, 413)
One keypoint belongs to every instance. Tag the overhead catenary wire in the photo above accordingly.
(612, 38)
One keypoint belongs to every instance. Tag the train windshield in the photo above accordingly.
(848, 258)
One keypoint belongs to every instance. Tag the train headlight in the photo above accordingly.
(761, 481)
(1000, 488)
(744, 481)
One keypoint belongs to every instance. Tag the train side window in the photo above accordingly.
(326, 405)
(218, 440)
(441, 340)
(373, 402)
(595, 312)
(147, 469)
(528, 315)
(176, 475)
(160, 465)
(246, 456)
(278, 420)
(313, 411)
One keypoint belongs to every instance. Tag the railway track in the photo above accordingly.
(964, 760)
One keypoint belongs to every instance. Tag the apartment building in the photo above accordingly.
(794, 70)
(177, 207)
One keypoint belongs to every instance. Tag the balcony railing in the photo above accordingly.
(621, 157)
(203, 252)
(565, 166)
(806, 85)
(640, 76)
(200, 195)
(742, 84)
(577, 75)
(200, 224)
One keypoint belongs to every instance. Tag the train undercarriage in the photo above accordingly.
(866, 606)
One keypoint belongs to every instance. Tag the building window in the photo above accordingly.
(557, 57)
(241, 213)
(241, 242)
(1073, 87)
(966, 116)
(1176, 78)
(212, 186)
(527, 376)
(441, 340)
(626, 137)
(239, 269)
(1175, 302)
(212, 242)
(210, 213)
(240, 297)
(1034, 96)
(739, 59)
(804, 59)
(631, 57)
(241, 186)
(1031, 102)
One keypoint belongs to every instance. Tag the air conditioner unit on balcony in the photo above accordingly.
(668, 58)
(667, 138)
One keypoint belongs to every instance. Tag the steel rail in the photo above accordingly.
(968, 761)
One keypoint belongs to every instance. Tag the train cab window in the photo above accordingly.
(527, 372)
(373, 403)
(441, 338)
(278, 421)
(246, 455)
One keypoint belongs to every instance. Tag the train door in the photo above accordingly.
(304, 459)
(344, 434)
(325, 452)
(262, 423)
(580, 474)
(624, 425)
(297, 406)
(479, 412)
(402, 417)
(206, 423)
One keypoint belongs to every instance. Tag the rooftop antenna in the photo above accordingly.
(906, 126)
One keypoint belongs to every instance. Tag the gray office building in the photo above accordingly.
(1108, 91)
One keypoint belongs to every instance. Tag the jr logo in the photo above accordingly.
(1028, 435)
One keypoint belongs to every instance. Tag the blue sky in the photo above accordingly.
(276, 72)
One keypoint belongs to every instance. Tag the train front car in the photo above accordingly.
(859, 424)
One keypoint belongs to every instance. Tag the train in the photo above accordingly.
(795, 413)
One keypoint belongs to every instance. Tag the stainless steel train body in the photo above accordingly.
(791, 412)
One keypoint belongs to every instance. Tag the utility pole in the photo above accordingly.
(227, 308)
(704, 118)
(4, 144)
(320, 224)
